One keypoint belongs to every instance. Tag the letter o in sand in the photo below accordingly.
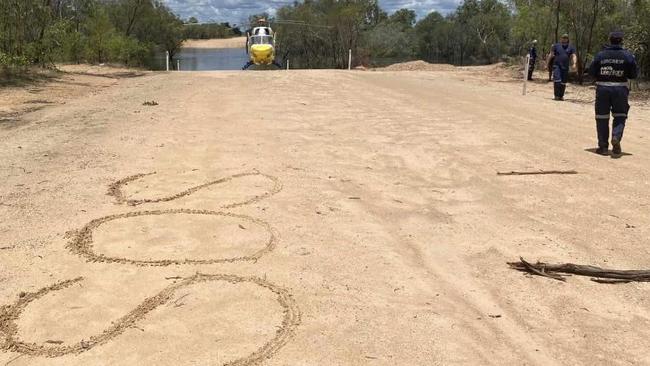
(174, 237)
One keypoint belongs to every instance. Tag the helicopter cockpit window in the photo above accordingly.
(262, 31)
(261, 40)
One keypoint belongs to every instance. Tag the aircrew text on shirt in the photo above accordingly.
(612, 61)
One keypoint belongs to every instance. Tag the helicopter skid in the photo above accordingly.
(254, 66)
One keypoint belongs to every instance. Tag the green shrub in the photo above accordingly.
(128, 51)
(8, 61)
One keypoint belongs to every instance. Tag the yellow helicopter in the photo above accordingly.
(260, 45)
(261, 42)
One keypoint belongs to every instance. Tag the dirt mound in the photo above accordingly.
(418, 66)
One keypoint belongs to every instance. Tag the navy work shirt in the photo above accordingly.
(563, 55)
(614, 65)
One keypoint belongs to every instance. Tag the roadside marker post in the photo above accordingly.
(287, 64)
(350, 60)
(178, 65)
(526, 69)
(167, 59)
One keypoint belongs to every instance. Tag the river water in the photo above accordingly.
(205, 59)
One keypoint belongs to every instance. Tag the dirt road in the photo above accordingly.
(318, 218)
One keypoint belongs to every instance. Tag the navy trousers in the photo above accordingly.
(614, 100)
(560, 79)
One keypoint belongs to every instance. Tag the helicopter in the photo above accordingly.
(261, 42)
(260, 46)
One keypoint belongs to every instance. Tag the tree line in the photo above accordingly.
(195, 30)
(319, 33)
(477, 32)
(128, 32)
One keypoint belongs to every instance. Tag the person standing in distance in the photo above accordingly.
(612, 68)
(564, 55)
(532, 60)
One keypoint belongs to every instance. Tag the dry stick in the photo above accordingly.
(541, 272)
(610, 282)
(597, 273)
(541, 172)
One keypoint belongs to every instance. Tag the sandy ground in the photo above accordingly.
(56, 88)
(317, 218)
(237, 42)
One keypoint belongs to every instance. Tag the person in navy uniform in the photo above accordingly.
(564, 55)
(532, 60)
(612, 68)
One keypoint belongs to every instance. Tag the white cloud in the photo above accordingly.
(237, 11)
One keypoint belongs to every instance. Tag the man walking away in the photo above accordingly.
(564, 55)
(533, 59)
(612, 68)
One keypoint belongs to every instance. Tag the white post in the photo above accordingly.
(287, 64)
(526, 69)
(350, 60)
(167, 59)
(178, 65)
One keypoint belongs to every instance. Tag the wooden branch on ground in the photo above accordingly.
(538, 271)
(597, 274)
(540, 172)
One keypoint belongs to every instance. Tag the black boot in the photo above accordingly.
(617, 152)
(558, 91)
(602, 151)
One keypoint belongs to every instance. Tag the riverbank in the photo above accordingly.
(237, 42)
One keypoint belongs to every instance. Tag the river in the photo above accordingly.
(205, 59)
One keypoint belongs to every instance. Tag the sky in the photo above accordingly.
(236, 11)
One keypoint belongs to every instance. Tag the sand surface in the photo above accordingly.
(316, 218)
(236, 42)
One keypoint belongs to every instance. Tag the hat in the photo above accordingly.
(534, 41)
(617, 34)
(565, 35)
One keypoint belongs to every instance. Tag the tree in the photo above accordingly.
(405, 18)
(638, 33)
(100, 30)
(389, 40)
(165, 29)
(432, 38)
(254, 19)
(489, 22)
(374, 14)
(126, 14)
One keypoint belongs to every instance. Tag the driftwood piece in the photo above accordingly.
(597, 274)
(610, 282)
(540, 271)
(540, 172)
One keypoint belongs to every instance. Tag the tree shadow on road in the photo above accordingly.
(21, 77)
